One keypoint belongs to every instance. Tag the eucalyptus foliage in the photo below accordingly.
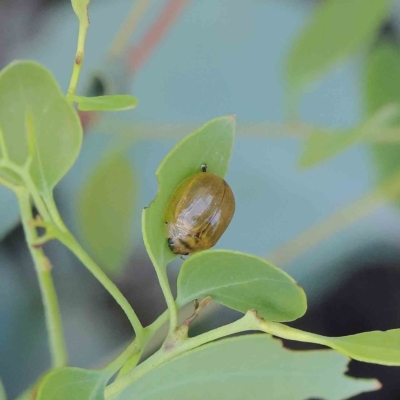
(40, 139)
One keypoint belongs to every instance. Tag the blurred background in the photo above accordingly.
(311, 204)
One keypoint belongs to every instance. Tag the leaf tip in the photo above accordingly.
(232, 118)
(303, 164)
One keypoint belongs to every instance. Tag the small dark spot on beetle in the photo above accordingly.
(170, 242)
(78, 58)
(204, 167)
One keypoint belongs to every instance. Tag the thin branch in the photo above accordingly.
(301, 131)
(127, 28)
(365, 205)
(72, 244)
(79, 56)
(140, 53)
(49, 296)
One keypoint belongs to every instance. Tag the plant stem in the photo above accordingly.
(8, 185)
(169, 298)
(149, 332)
(55, 216)
(139, 53)
(164, 355)
(122, 38)
(129, 352)
(49, 296)
(298, 130)
(62, 233)
(286, 332)
(69, 241)
(363, 206)
(65, 236)
(158, 323)
(250, 322)
(80, 53)
(37, 198)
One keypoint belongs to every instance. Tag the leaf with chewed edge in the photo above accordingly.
(210, 144)
(253, 367)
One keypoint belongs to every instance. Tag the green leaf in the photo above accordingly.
(73, 384)
(373, 347)
(242, 282)
(337, 29)
(106, 211)
(106, 103)
(382, 83)
(321, 145)
(253, 367)
(3, 395)
(37, 126)
(382, 86)
(210, 144)
(80, 8)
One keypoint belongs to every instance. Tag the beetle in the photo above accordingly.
(198, 212)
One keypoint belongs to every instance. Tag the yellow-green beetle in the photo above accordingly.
(198, 213)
